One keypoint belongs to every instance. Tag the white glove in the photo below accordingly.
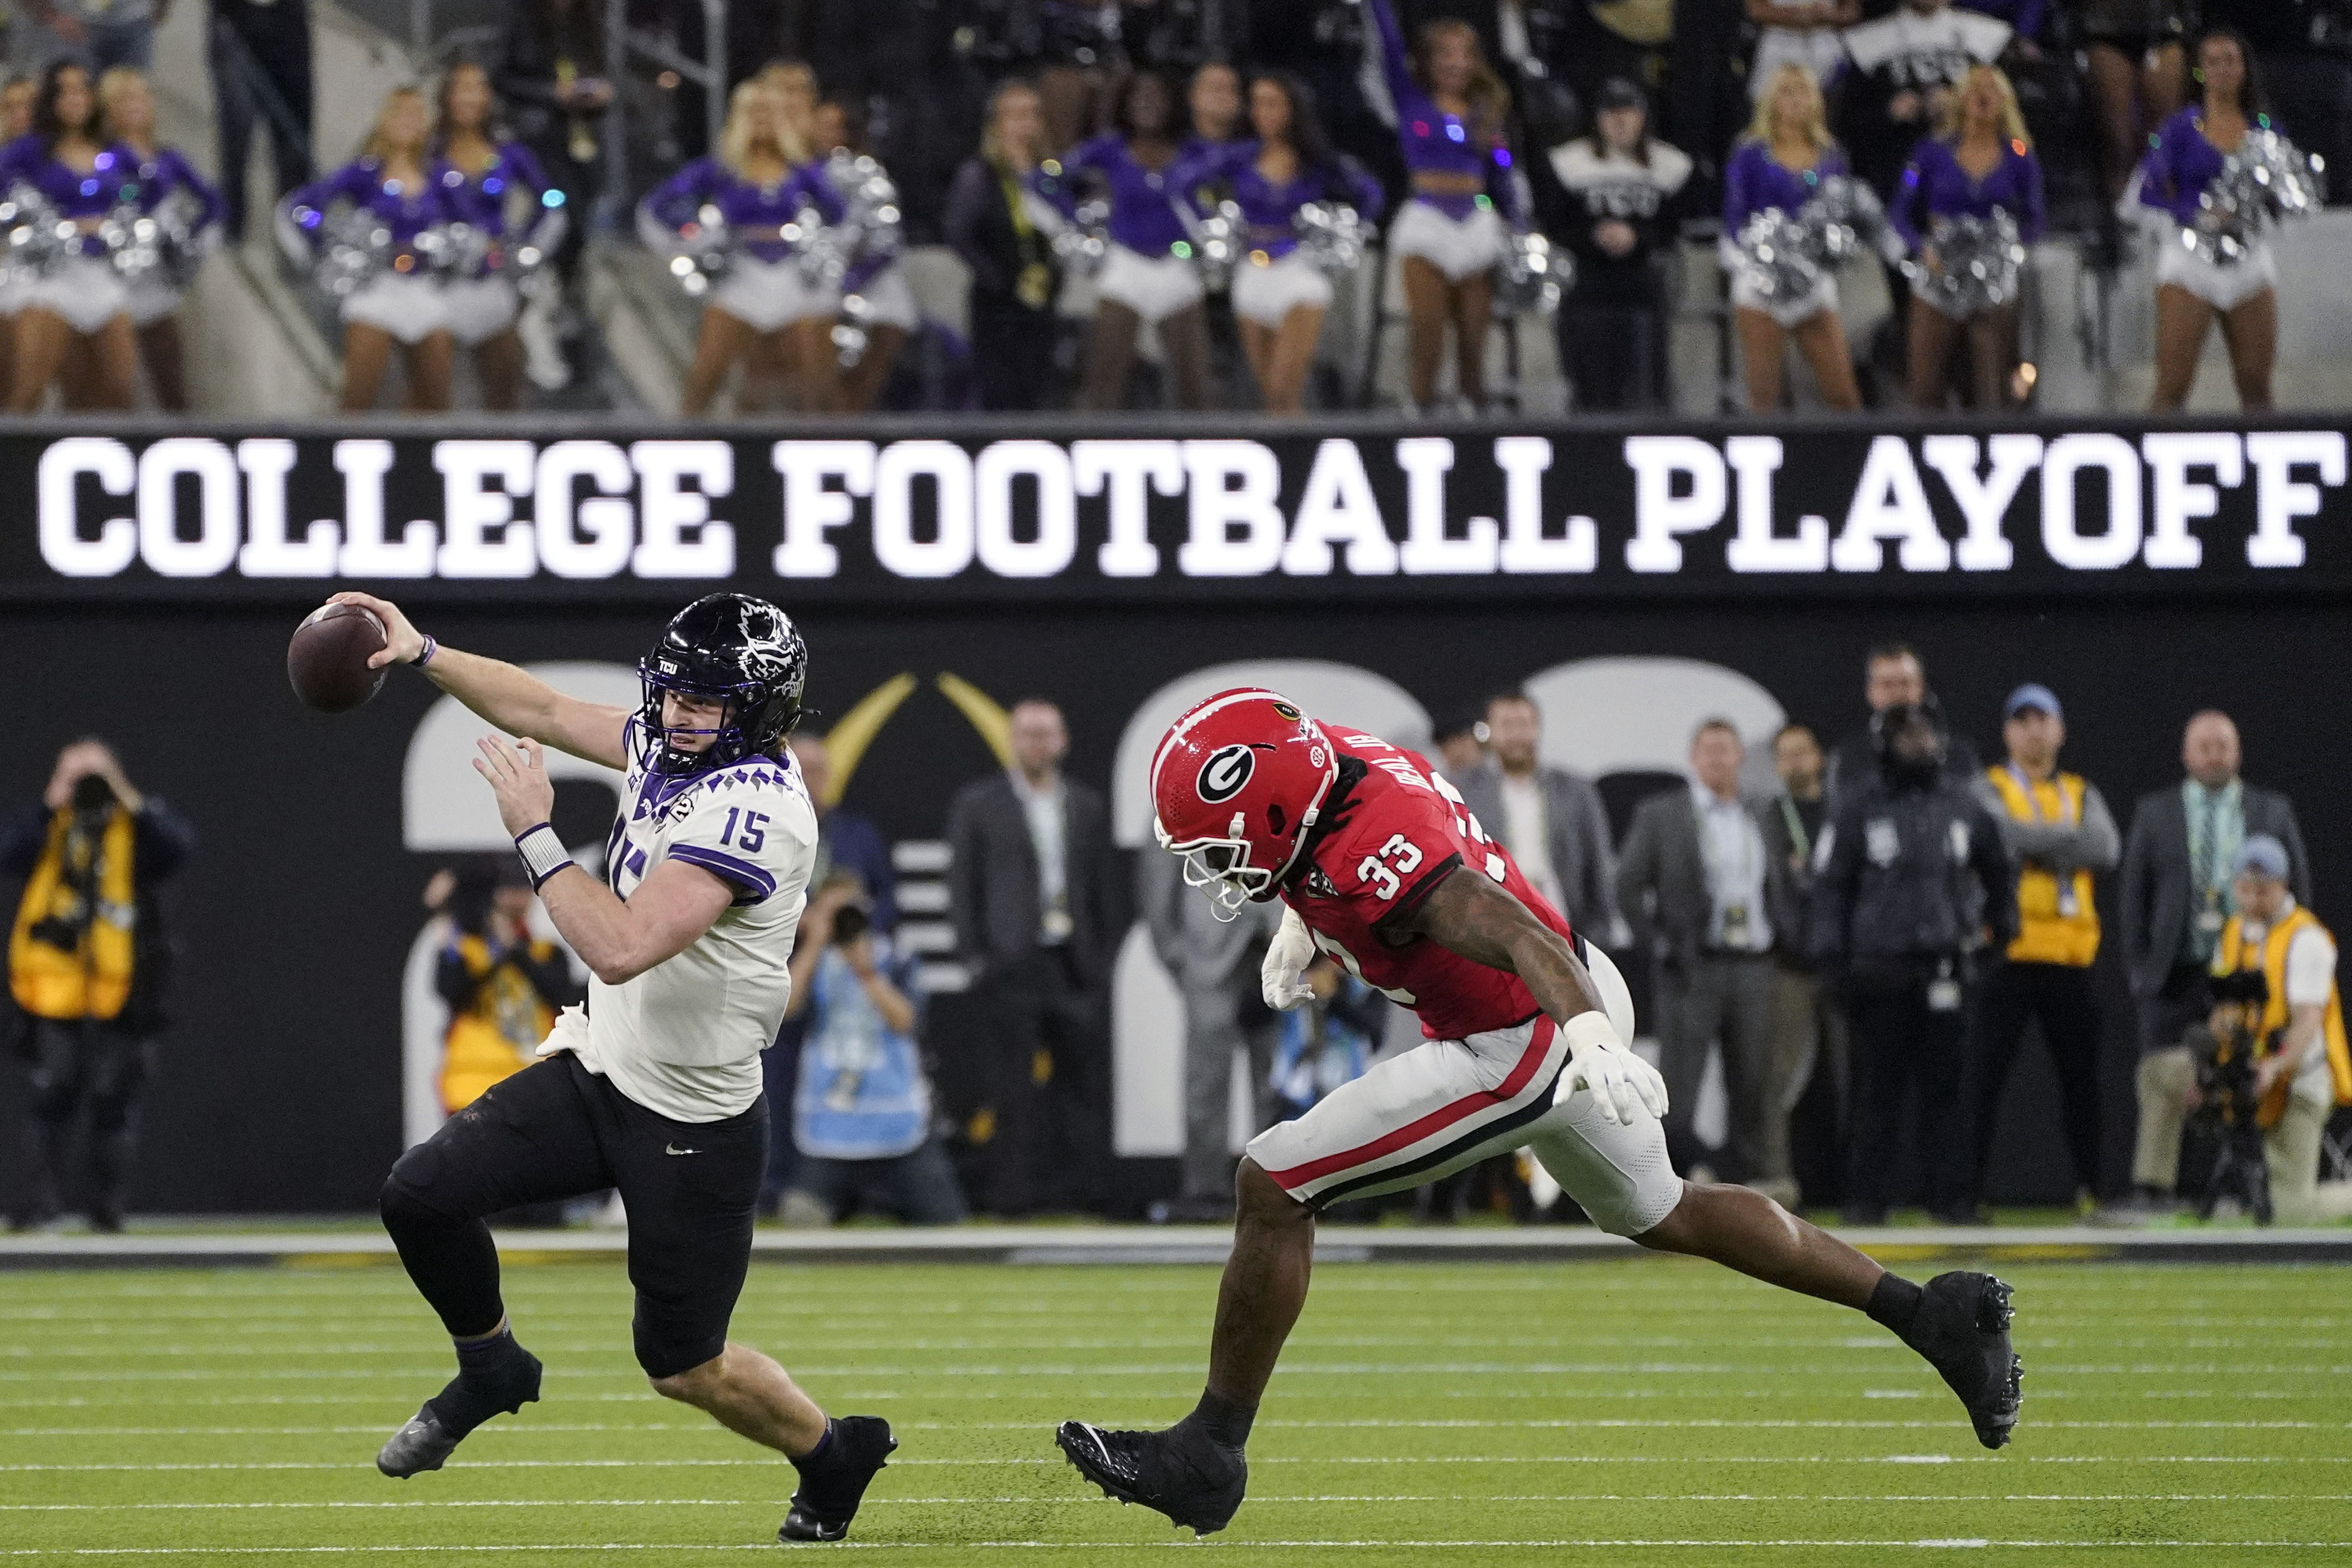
(1282, 977)
(1622, 1085)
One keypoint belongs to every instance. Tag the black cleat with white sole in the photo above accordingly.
(433, 1434)
(1195, 1482)
(832, 1486)
(1962, 1329)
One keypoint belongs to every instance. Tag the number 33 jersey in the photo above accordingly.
(1391, 834)
(684, 1038)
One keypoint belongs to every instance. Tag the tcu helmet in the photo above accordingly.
(741, 650)
(1236, 783)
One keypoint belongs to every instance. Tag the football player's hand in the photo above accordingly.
(518, 776)
(1281, 977)
(402, 641)
(1624, 1085)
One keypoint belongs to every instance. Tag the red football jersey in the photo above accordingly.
(1396, 833)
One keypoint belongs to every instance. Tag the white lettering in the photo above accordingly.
(1231, 485)
(1119, 469)
(584, 537)
(366, 553)
(472, 513)
(809, 508)
(1658, 513)
(2280, 497)
(1428, 550)
(213, 548)
(63, 462)
(1983, 502)
(668, 512)
(1002, 550)
(1754, 547)
(268, 552)
(1890, 505)
(949, 467)
(1337, 507)
(2068, 545)
(2174, 502)
(1525, 460)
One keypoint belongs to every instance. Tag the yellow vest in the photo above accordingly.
(496, 1037)
(2233, 954)
(91, 980)
(2056, 922)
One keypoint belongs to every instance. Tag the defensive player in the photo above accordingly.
(655, 1088)
(1383, 869)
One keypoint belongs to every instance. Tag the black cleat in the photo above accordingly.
(433, 1434)
(1192, 1481)
(1963, 1330)
(828, 1500)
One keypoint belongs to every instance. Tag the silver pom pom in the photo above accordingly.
(1083, 244)
(1217, 244)
(1982, 263)
(2267, 180)
(1331, 236)
(1532, 275)
(30, 233)
(1777, 261)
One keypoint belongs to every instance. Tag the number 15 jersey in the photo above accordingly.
(1391, 834)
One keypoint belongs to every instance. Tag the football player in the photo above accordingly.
(652, 1089)
(1382, 868)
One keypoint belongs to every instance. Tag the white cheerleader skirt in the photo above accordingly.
(1787, 313)
(84, 292)
(769, 296)
(1268, 293)
(477, 310)
(2223, 288)
(1154, 286)
(404, 304)
(891, 300)
(1458, 248)
(149, 302)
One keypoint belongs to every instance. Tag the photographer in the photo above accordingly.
(87, 965)
(862, 1114)
(503, 984)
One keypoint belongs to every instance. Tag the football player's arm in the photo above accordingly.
(513, 699)
(619, 941)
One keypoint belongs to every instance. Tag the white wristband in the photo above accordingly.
(1591, 1030)
(542, 853)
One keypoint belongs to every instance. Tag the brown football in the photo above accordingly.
(327, 660)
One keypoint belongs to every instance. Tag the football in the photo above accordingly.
(327, 660)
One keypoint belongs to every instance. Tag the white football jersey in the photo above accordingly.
(684, 1038)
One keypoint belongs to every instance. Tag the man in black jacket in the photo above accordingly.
(1032, 893)
(1913, 878)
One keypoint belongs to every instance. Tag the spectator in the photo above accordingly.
(100, 35)
(1329, 1040)
(2303, 1070)
(1907, 856)
(1891, 674)
(1004, 231)
(504, 985)
(2136, 57)
(551, 76)
(2176, 900)
(1623, 187)
(1551, 821)
(1460, 742)
(75, 327)
(1779, 166)
(1215, 963)
(161, 176)
(89, 960)
(1697, 882)
(2059, 833)
(259, 51)
(862, 1112)
(1030, 894)
(1907, 67)
(483, 175)
(1807, 1029)
(1214, 100)
(1799, 33)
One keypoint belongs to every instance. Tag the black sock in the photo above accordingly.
(819, 1458)
(494, 1375)
(1226, 1422)
(482, 1360)
(1894, 1303)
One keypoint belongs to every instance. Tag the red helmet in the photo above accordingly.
(1236, 783)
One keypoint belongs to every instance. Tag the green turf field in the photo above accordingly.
(1647, 1411)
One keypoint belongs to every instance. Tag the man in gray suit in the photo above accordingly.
(1215, 963)
(1551, 821)
(1698, 881)
(1032, 895)
(2175, 898)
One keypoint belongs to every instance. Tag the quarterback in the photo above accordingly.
(654, 1087)
(1382, 867)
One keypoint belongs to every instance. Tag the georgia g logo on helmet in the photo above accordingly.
(1226, 771)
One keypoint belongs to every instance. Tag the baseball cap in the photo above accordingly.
(2032, 695)
(2263, 855)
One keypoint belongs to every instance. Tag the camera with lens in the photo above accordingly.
(2229, 1112)
(850, 922)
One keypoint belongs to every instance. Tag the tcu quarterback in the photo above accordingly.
(655, 1088)
(1382, 867)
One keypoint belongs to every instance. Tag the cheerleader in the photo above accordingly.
(890, 316)
(159, 174)
(1778, 163)
(393, 182)
(1450, 109)
(1212, 101)
(2183, 158)
(1280, 295)
(1145, 277)
(75, 325)
(1981, 165)
(759, 183)
(16, 123)
(480, 174)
